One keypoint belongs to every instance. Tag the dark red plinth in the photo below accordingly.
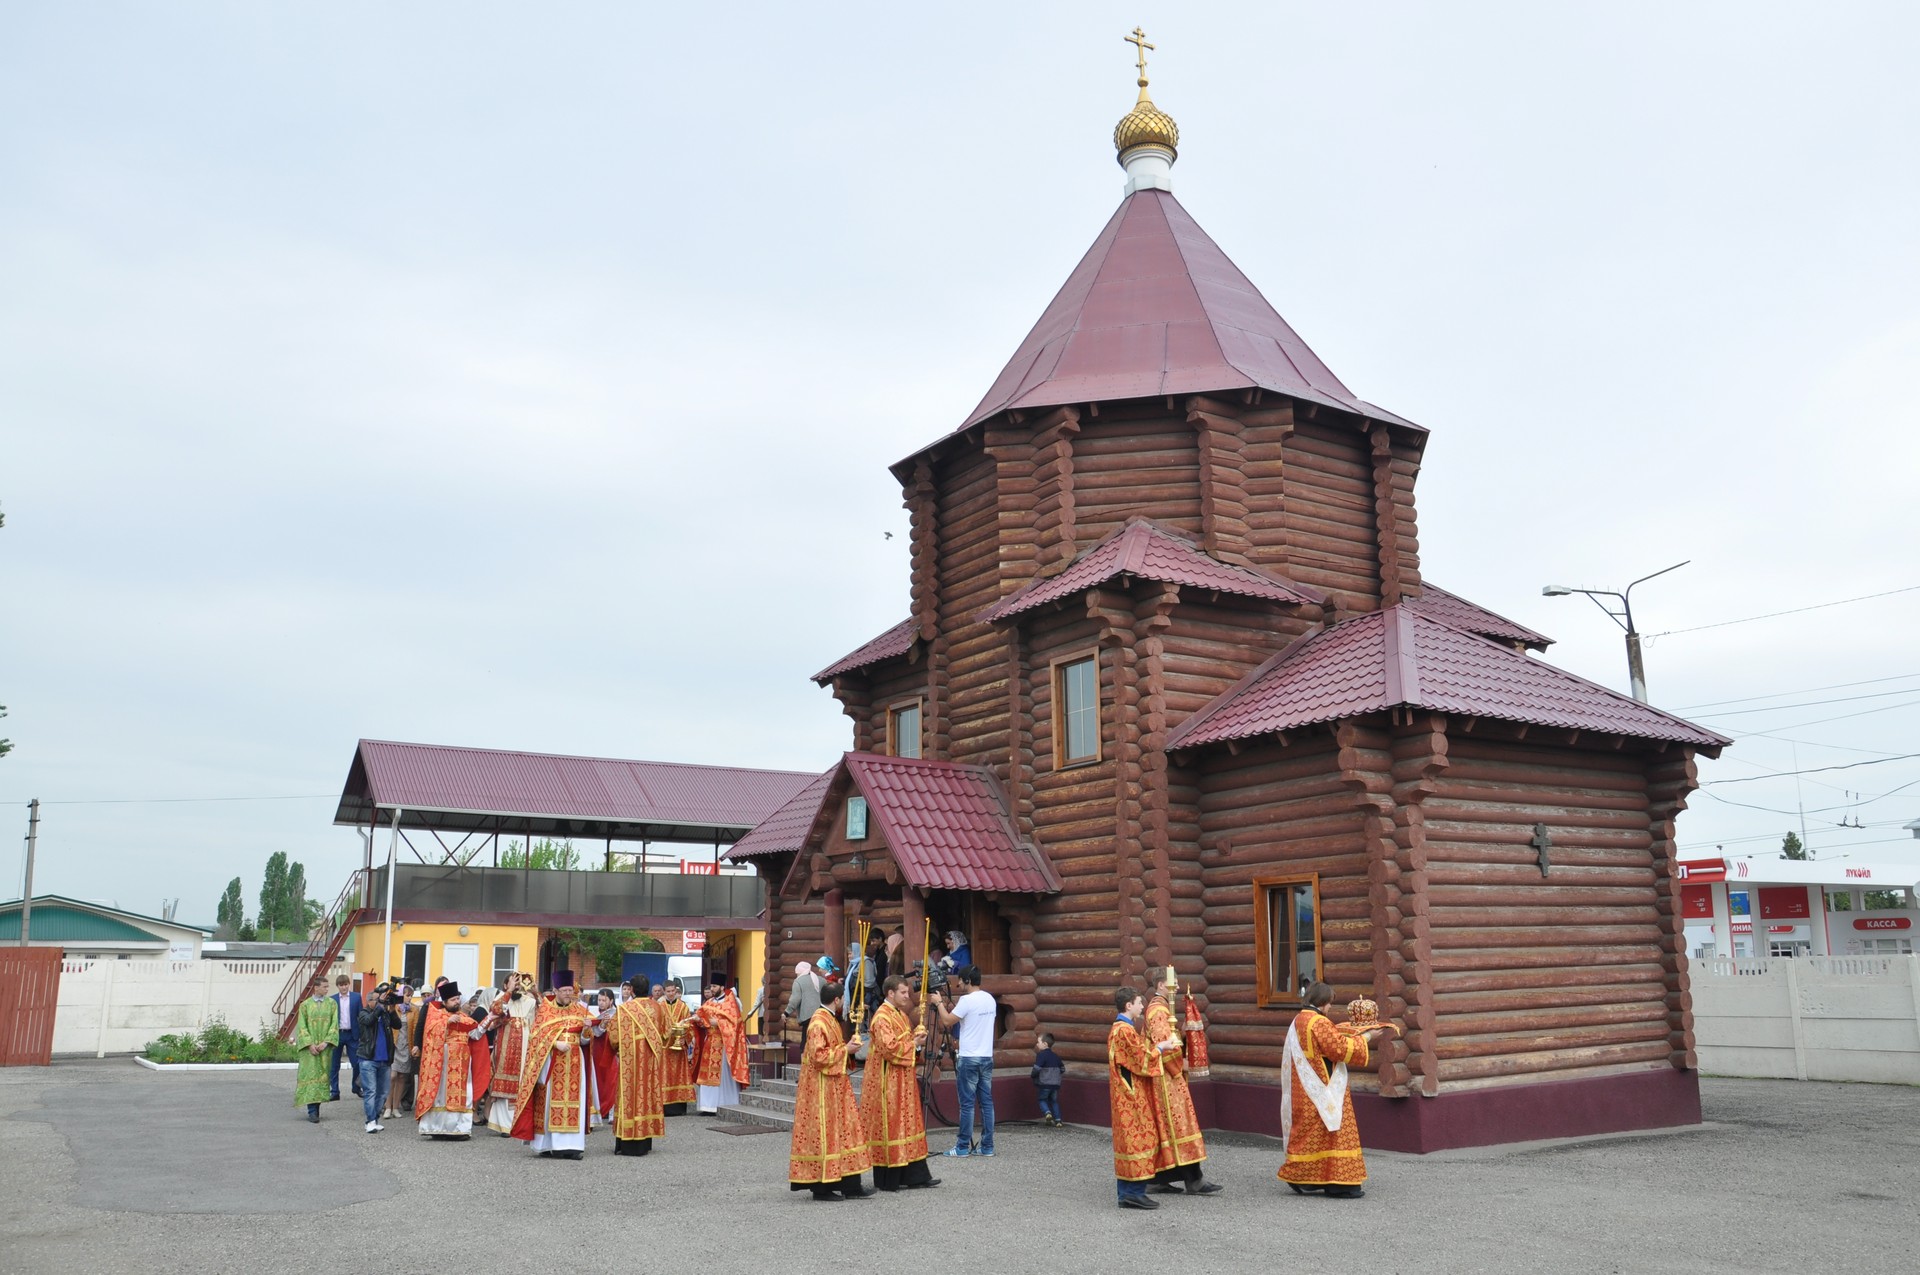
(1469, 1118)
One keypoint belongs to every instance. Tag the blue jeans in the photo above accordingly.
(974, 1077)
(1131, 1190)
(1049, 1100)
(374, 1079)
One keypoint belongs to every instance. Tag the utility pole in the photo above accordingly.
(1621, 615)
(26, 894)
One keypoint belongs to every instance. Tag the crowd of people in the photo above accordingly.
(545, 1068)
(548, 1069)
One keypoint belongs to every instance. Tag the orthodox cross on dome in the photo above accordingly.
(1541, 843)
(1139, 42)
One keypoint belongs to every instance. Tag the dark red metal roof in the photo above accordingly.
(1399, 656)
(1146, 549)
(1451, 608)
(1156, 308)
(947, 825)
(481, 788)
(897, 640)
(787, 828)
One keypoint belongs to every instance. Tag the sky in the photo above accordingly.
(526, 376)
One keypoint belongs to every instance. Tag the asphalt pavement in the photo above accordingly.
(106, 1166)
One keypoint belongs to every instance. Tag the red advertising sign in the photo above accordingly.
(1883, 923)
(1784, 903)
(1703, 871)
(1779, 929)
(1696, 901)
(693, 942)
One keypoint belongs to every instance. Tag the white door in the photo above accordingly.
(461, 963)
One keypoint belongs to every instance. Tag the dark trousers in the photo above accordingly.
(1049, 1100)
(345, 1049)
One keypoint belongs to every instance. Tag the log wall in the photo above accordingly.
(1328, 524)
(1134, 468)
(1543, 976)
(970, 724)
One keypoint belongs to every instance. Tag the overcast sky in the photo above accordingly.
(526, 376)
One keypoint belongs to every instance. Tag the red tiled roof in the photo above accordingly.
(947, 825)
(897, 640)
(483, 781)
(1156, 308)
(1451, 608)
(1152, 552)
(1399, 656)
(785, 829)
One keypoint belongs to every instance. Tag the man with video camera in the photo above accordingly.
(972, 1016)
(374, 1036)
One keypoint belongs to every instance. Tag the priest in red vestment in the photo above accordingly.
(721, 1065)
(606, 1069)
(452, 1070)
(1316, 1111)
(553, 1110)
(512, 1017)
(1133, 1064)
(1176, 1160)
(639, 1041)
(679, 1080)
(829, 1149)
(890, 1097)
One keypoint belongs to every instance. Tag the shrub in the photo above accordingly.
(219, 1043)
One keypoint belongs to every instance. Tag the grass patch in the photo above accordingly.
(219, 1043)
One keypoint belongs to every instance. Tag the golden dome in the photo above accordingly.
(1145, 125)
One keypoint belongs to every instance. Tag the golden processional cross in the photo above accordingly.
(1139, 42)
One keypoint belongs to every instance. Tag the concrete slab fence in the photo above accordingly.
(1809, 1018)
(119, 1007)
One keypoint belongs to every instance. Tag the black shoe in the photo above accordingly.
(313, 1117)
(544, 1154)
(857, 1193)
(1345, 1192)
(573, 1155)
(827, 1197)
(1204, 1188)
(1138, 1202)
(921, 1186)
(1164, 1188)
(1297, 1189)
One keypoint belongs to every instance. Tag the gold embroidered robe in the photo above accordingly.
(1315, 1156)
(723, 1033)
(829, 1140)
(890, 1095)
(557, 1104)
(640, 1045)
(1132, 1066)
(679, 1077)
(444, 1043)
(1177, 1126)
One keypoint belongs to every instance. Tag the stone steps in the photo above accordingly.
(770, 1102)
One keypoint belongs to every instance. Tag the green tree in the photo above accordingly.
(273, 893)
(295, 908)
(607, 947)
(547, 854)
(6, 745)
(1791, 848)
(1883, 899)
(231, 915)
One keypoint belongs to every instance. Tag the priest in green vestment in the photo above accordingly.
(315, 1031)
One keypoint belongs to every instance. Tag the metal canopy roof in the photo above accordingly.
(449, 789)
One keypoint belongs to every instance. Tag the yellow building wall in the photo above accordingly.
(370, 941)
(749, 965)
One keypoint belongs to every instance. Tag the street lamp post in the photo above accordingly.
(1623, 616)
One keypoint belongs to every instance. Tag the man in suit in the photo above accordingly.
(347, 1002)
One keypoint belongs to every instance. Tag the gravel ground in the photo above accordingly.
(108, 1166)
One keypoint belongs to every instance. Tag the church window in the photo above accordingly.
(903, 729)
(1286, 937)
(1076, 710)
(506, 960)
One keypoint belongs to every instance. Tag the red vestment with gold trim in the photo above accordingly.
(444, 1042)
(829, 1140)
(1176, 1126)
(723, 1033)
(1317, 1156)
(1132, 1066)
(679, 1076)
(641, 1047)
(890, 1094)
(557, 1103)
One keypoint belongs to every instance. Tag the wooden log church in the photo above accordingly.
(1174, 689)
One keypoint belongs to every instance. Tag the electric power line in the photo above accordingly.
(1813, 770)
(1806, 690)
(1818, 606)
(1808, 703)
(160, 801)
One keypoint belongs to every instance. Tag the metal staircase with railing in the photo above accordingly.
(323, 948)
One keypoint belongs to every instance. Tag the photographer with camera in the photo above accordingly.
(373, 1048)
(972, 1015)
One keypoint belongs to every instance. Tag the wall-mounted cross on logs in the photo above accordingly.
(1542, 842)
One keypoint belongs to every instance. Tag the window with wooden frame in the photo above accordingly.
(1076, 710)
(1286, 937)
(903, 729)
(506, 960)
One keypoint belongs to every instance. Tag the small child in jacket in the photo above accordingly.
(1048, 1071)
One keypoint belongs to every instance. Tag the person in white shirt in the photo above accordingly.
(973, 1017)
